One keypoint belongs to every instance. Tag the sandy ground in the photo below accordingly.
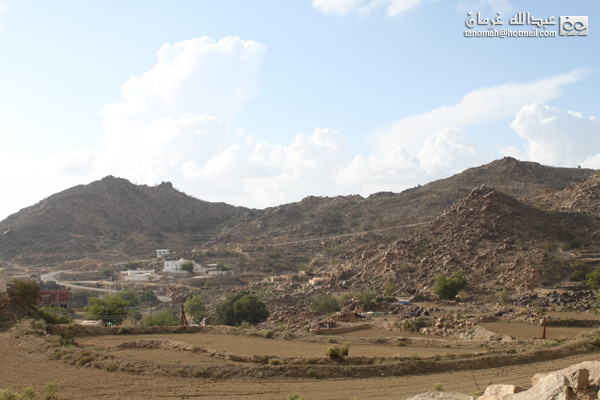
(19, 369)
(525, 331)
(272, 347)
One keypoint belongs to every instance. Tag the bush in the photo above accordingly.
(130, 296)
(448, 288)
(107, 271)
(294, 396)
(194, 307)
(337, 351)
(389, 289)
(268, 334)
(132, 265)
(240, 307)
(168, 317)
(111, 308)
(326, 304)
(593, 279)
(187, 266)
(578, 276)
(28, 291)
(148, 297)
(438, 387)
(504, 297)
(50, 315)
(365, 298)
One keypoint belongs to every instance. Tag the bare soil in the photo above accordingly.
(525, 331)
(20, 368)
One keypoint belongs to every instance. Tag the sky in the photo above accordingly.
(260, 103)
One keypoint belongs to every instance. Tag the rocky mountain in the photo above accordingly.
(113, 219)
(315, 216)
(495, 240)
(110, 219)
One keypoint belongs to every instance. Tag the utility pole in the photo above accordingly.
(183, 318)
(544, 331)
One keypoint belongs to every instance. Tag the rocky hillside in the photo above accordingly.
(314, 216)
(110, 218)
(495, 240)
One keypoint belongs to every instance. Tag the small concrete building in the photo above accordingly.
(175, 266)
(55, 298)
(162, 252)
(138, 274)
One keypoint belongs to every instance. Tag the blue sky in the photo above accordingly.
(259, 103)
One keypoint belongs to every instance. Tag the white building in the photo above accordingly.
(162, 252)
(175, 266)
(137, 274)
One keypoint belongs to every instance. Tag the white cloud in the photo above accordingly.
(442, 154)
(393, 7)
(485, 104)
(560, 138)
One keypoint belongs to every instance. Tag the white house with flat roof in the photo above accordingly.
(162, 252)
(175, 266)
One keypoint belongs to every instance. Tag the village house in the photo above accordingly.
(162, 252)
(55, 298)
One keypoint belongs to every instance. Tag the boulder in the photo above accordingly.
(550, 387)
(441, 396)
(593, 368)
(499, 392)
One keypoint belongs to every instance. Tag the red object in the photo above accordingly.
(55, 298)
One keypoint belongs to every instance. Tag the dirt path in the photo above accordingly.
(19, 369)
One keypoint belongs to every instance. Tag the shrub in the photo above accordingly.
(389, 289)
(187, 266)
(28, 291)
(294, 396)
(437, 387)
(203, 371)
(275, 361)
(418, 323)
(240, 307)
(593, 279)
(268, 334)
(337, 351)
(168, 317)
(194, 307)
(504, 297)
(113, 308)
(448, 288)
(365, 298)
(107, 271)
(51, 389)
(414, 356)
(326, 304)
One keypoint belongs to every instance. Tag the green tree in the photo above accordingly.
(28, 291)
(148, 297)
(249, 309)
(194, 307)
(132, 265)
(187, 266)
(110, 308)
(324, 303)
(448, 288)
(131, 296)
(107, 271)
(593, 280)
(365, 298)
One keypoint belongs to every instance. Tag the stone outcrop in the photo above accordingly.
(555, 387)
(441, 396)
